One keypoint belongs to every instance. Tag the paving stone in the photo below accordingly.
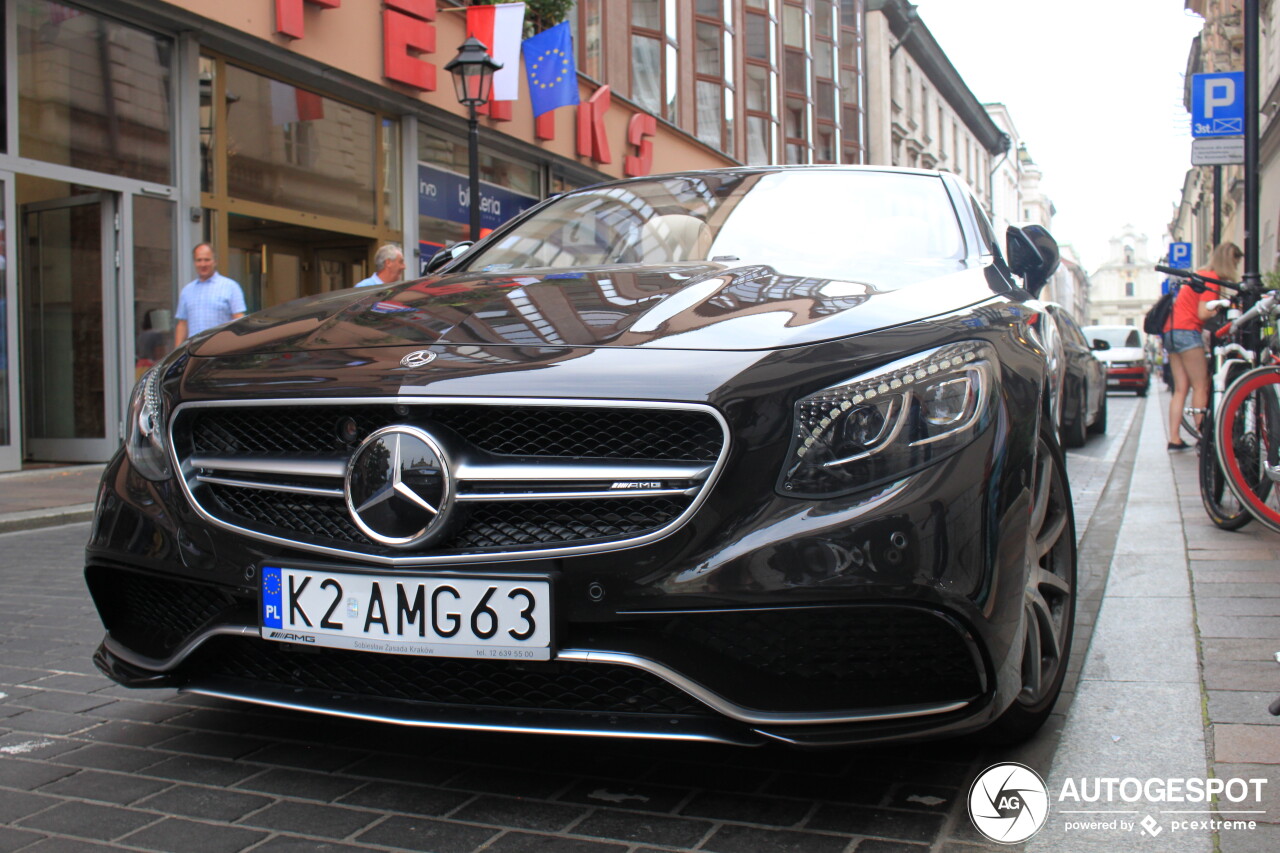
(16, 839)
(1242, 744)
(116, 788)
(212, 744)
(18, 804)
(511, 782)
(395, 768)
(203, 771)
(141, 712)
(48, 722)
(643, 828)
(301, 783)
(405, 799)
(1242, 706)
(111, 757)
(1265, 838)
(1240, 626)
(128, 733)
(326, 821)
(524, 842)
(69, 845)
(600, 792)
(884, 823)
(173, 834)
(517, 813)
(29, 775)
(87, 820)
(438, 836)
(769, 811)
(746, 839)
(24, 745)
(307, 756)
(70, 703)
(205, 803)
(296, 844)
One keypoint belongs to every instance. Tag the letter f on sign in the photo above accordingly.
(1220, 92)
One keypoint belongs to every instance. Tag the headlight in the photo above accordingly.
(895, 420)
(145, 442)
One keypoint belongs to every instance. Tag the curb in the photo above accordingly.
(51, 517)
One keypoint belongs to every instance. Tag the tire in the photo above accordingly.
(1099, 425)
(1049, 609)
(1224, 509)
(1142, 392)
(1247, 438)
(1074, 432)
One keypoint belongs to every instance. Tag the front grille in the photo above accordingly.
(536, 477)
(546, 431)
(484, 526)
(552, 686)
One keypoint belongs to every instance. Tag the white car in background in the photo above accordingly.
(1127, 366)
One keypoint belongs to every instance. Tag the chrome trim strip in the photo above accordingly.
(581, 495)
(749, 715)
(141, 661)
(641, 734)
(478, 472)
(456, 558)
(272, 487)
(285, 466)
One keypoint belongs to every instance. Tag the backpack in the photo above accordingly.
(1158, 315)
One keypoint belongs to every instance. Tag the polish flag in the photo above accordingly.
(501, 28)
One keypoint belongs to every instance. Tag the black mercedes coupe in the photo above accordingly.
(746, 455)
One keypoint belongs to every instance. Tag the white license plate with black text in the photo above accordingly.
(396, 614)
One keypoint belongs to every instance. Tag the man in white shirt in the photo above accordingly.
(388, 265)
(208, 300)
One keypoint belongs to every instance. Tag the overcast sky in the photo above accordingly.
(1095, 91)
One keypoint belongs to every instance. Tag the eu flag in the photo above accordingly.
(553, 77)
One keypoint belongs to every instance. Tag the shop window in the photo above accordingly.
(507, 187)
(94, 93)
(654, 62)
(798, 80)
(296, 149)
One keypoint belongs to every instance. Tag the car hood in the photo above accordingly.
(682, 306)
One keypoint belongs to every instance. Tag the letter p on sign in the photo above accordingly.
(1218, 92)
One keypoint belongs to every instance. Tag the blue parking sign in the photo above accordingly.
(1180, 255)
(1217, 104)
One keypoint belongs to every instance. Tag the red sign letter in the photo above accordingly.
(591, 139)
(402, 33)
(642, 126)
(289, 15)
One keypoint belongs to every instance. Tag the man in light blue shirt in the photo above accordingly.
(388, 266)
(208, 300)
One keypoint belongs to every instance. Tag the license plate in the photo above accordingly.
(395, 614)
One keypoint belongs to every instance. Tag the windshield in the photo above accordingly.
(1115, 336)
(851, 225)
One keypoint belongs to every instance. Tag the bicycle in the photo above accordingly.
(1230, 360)
(1247, 433)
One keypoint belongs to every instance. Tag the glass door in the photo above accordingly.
(69, 323)
(10, 443)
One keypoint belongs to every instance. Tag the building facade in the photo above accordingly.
(297, 135)
(920, 113)
(1126, 285)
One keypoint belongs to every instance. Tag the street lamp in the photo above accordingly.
(472, 71)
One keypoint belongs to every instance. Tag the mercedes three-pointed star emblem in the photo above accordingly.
(399, 487)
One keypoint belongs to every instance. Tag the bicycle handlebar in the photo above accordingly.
(1198, 281)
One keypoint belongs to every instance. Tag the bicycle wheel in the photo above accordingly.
(1224, 509)
(1247, 438)
(1189, 424)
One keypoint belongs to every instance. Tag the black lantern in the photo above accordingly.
(472, 71)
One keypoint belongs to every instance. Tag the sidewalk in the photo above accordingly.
(1179, 671)
(47, 496)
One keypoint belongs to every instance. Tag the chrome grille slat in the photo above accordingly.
(545, 495)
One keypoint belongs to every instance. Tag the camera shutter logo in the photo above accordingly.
(1008, 803)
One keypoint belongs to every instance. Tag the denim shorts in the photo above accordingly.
(1182, 340)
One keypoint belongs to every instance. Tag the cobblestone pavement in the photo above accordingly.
(86, 765)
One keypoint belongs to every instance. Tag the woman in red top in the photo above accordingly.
(1184, 339)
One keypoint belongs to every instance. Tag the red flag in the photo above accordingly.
(501, 28)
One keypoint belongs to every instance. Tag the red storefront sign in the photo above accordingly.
(409, 34)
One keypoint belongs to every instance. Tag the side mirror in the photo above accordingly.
(444, 257)
(1033, 255)
(1099, 345)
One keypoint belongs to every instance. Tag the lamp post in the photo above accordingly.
(472, 71)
